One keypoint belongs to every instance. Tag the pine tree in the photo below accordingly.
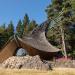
(10, 29)
(32, 25)
(20, 28)
(61, 13)
(3, 26)
(3, 35)
(26, 23)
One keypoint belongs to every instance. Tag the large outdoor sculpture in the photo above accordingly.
(35, 44)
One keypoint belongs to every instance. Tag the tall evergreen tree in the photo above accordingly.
(3, 26)
(3, 35)
(20, 28)
(73, 4)
(26, 23)
(32, 25)
(10, 29)
(61, 13)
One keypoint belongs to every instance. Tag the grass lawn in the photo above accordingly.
(56, 71)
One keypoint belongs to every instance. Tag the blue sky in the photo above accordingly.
(16, 9)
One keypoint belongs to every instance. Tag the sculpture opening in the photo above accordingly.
(21, 52)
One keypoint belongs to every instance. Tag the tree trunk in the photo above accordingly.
(63, 42)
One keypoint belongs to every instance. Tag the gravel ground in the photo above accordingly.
(34, 62)
(62, 63)
(27, 62)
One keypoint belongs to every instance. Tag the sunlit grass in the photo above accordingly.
(56, 71)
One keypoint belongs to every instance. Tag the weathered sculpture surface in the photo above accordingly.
(35, 44)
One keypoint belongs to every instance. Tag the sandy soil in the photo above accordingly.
(55, 71)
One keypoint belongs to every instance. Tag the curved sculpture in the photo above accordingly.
(36, 44)
(37, 39)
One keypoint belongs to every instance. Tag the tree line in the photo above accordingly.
(23, 28)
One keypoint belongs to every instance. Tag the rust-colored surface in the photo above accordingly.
(8, 50)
